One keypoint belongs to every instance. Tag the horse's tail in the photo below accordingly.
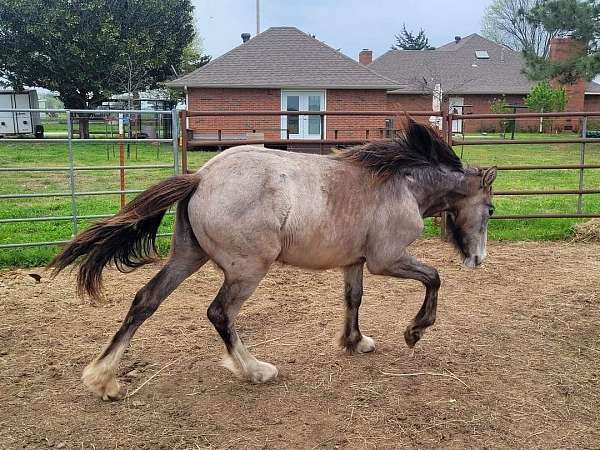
(128, 239)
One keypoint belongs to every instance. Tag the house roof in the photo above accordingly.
(285, 57)
(457, 68)
(592, 88)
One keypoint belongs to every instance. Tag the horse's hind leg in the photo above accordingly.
(186, 258)
(351, 338)
(222, 313)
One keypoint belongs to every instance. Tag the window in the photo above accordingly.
(482, 54)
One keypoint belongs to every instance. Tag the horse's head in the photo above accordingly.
(468, 216)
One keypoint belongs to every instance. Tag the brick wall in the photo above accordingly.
(409, 102)
(217, 99)
(562, 49)
(355, 100)
(213, 99)
(481, 105)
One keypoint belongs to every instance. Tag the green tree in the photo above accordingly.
(579, 19)
(406, 40)
(86, 50)
(544, 98)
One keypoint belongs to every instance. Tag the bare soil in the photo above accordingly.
(512, 362)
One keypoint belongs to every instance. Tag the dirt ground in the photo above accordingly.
(512, 362)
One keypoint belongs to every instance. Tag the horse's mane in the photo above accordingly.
(417, 146)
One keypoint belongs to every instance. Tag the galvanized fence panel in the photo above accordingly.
(71, 169)
(581, 167)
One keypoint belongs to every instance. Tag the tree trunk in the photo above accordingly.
(84, 127)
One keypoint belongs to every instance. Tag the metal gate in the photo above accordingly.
(73, 170)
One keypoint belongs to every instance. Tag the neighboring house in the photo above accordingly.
(283, 68)
(473, 71)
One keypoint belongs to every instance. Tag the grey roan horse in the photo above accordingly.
(251, 206)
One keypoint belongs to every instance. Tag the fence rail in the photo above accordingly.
(72, 169)
(179, 123)
(581, 167)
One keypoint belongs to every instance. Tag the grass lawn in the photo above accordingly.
(45, 154)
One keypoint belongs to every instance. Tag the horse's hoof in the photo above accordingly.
(101, 382)
(365, 345)
(412, 336)
(262, 372)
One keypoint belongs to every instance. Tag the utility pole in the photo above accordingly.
(257, 16)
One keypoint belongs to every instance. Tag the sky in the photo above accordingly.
(349, 25)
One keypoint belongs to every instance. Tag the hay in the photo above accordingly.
(587, 232)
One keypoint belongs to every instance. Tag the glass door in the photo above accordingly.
(291, 124)
(302, 127)
(312, 124)
(456, 106)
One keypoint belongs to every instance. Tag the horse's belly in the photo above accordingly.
(319, 257)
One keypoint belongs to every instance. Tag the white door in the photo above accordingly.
(456, 106)
(302, 127)
(7, 120)
(24, 124)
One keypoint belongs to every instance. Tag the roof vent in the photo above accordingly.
(457, 39)
(245, 37)
(482, 54)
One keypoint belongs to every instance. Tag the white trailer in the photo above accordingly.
(15, 123)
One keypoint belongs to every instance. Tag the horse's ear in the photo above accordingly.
(488, 177)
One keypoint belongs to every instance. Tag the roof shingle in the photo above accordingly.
(285, 57)
(456, 67)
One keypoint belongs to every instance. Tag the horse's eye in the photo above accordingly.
(491, 210)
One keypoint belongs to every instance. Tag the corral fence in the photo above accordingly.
(72, 169)
(583, 139)
(327, 140)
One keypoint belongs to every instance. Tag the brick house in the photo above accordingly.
(283, 68)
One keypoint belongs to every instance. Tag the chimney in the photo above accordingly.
(245, 37)
(365, 57)
(457, 39)
(562, 49)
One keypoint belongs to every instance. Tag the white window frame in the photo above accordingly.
(303, 120)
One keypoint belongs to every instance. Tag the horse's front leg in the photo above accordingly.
(351, 338)
(409, 267)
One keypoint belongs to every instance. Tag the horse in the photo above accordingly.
(250, 207)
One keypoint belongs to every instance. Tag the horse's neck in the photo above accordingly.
(435, 193)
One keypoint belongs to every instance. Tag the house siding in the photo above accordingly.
(217, 99)
(480, 104)
(349, 127)
(409, 102)
(223, 99)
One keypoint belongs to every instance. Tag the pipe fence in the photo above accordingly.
(581, 167)
(179, 123)
(72, 169)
